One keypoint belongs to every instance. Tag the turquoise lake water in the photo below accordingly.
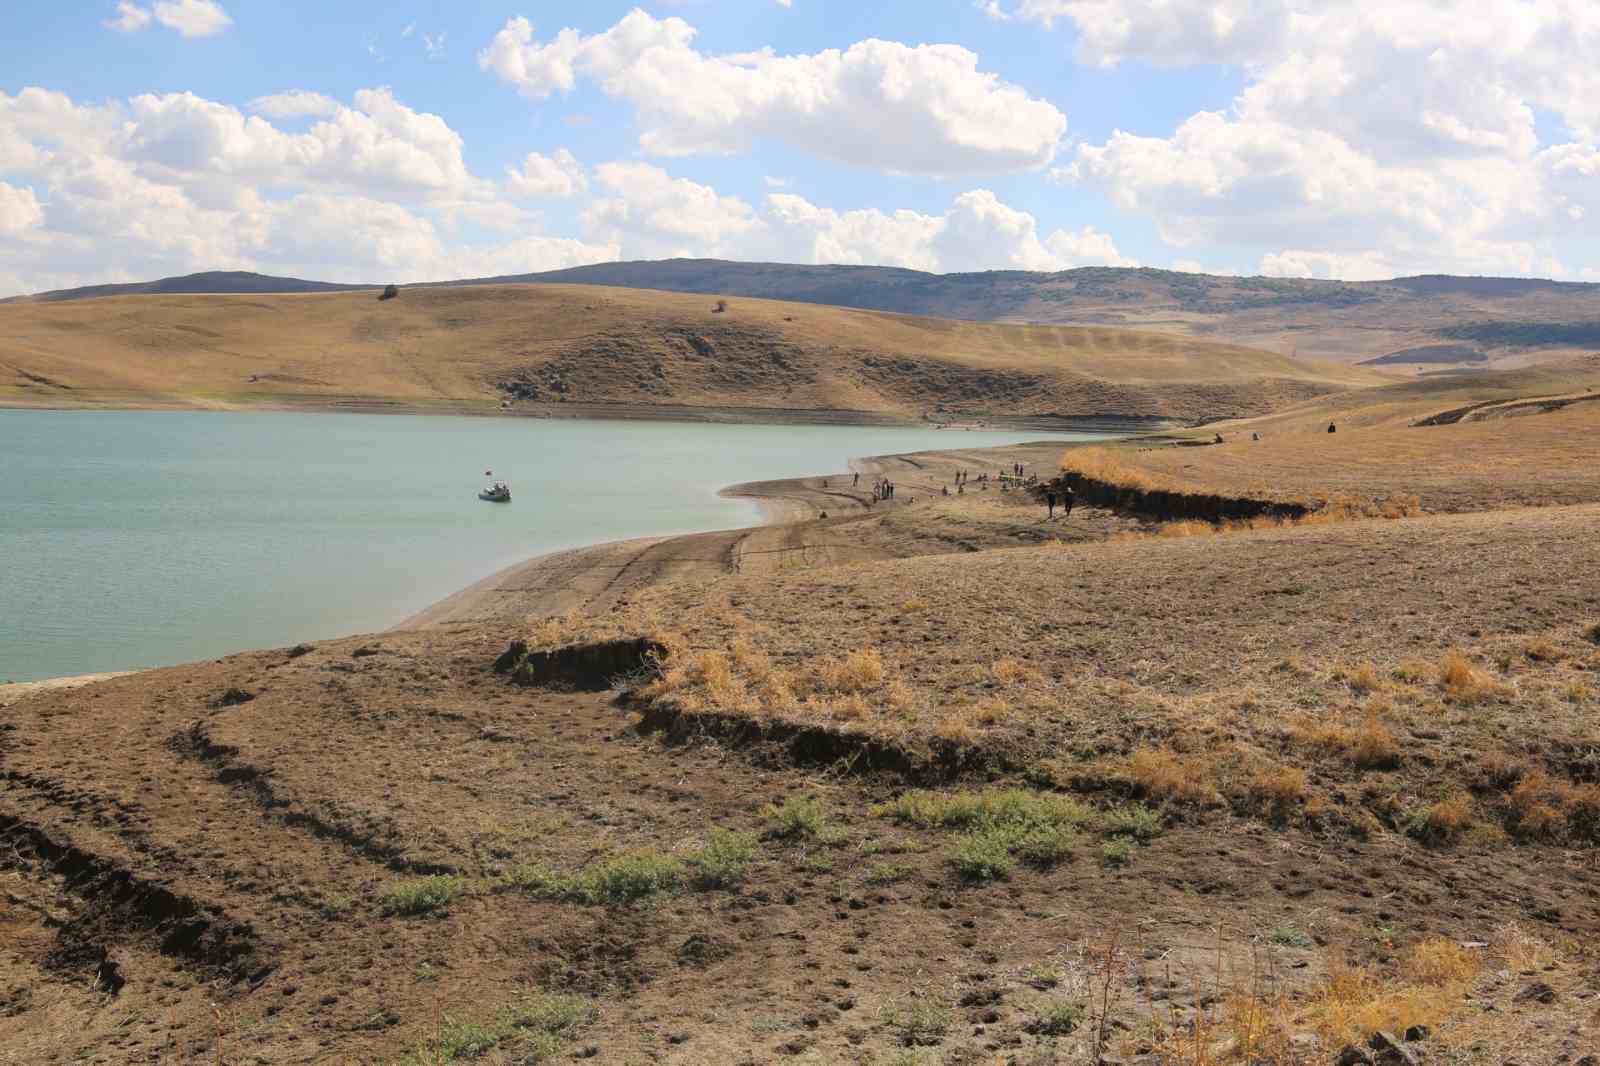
(145, 538)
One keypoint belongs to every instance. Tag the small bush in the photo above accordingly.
(959, 810)
(1438, 961)
(984, 855)
(1045, 976)
(1133, 820)
(1116, 852)
(422, 895)
(1057, 1019)
(1444, 819)
(630, 876)
(1277, 788)
(540, 1024)
(1009, 671)
(921, 1022)
(1591, 633)
(859, 671)
(1290, 937)
(888, 873)
(389, 292)
(1462, 681)
(795, 818)
(1541, 650)
(723, 861)
(1164, 775)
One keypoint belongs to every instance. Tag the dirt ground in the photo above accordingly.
(936, 782)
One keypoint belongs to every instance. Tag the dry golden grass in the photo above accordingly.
(450, 346)
(1279, 788)
(1463, 681)
(1166, 775)
(1546, 806)
(1010, 671)
(1251, 1024)
(1368, 743)
(1448, 817)
(1392, 472)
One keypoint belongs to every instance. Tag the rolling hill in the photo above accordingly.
(1418, 324)
(562, 348)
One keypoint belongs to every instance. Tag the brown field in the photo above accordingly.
(1510, 449)
(550, 349)
(931, 783)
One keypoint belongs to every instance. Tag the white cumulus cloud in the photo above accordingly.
(19, 210)
(296, 103)
(1369, 138)
(131, 18)
(924, 109)
(192, 18)
(554, 177)
(173, 183)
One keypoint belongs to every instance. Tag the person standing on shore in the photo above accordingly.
(1050, 498)
(1066, 501)
(857, 480)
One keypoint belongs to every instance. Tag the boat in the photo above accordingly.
(499, 492)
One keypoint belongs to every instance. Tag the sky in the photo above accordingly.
(416, 140)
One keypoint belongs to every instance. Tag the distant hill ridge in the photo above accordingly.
(1484, 318)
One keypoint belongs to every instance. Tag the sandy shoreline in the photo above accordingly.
(801, 520)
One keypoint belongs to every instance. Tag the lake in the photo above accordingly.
(146, 538)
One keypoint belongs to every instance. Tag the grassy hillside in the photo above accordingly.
(544, 346)
(1415, 324)
(1524, 438)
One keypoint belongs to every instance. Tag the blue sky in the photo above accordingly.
(358, 141)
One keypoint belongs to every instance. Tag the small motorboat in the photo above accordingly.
(499, 492)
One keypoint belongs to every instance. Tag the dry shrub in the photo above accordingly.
(1353, 1003)
(1362, 678)
(1541, 650)
(1548, 807)
(1449, 816)
(1165, 775)
(1371, 745)
(1277, 788)
(913, 605)
(956, 728)
(849, 708)
(1346, 1007)
(859, 671)
(1412, 670)
(1497, 769)
(1521, 950)
(991, 710)
(1010, 671)
(1438, 961)
(1102, 464)
(750, 660)
(1463, 681)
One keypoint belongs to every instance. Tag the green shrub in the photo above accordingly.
(1057, 1019)
(1116, 852)
(1134, 820)
(795, 818)
(629, 876)
(983, 855)
(539, 1025)
(887, 873)
(964, 810)
(1044, 845)
(422, 895)
(724, 859)
(921, 1022)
